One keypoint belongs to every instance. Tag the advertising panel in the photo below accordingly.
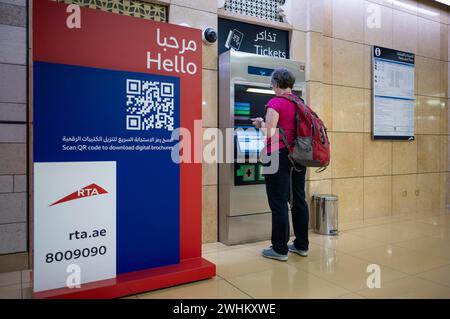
(110, 196)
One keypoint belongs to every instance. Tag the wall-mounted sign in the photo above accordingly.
(245, 37)
(108, 197)
(393, 94)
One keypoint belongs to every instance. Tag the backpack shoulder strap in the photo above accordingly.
(294, 99)
(299, 102)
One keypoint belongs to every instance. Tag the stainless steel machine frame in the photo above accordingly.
(244, 213)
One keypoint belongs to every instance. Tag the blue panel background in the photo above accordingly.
(74, 101)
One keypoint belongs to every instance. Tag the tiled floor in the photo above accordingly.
(412, 251)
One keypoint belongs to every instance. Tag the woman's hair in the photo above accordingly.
(283, 78)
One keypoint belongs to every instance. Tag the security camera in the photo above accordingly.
(209, 36)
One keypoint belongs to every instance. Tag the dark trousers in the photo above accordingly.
(278, 194)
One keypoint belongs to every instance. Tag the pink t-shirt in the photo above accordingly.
(286, 121)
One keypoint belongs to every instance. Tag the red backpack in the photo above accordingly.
(311, 145)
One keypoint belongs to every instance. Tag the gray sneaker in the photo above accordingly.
(303, 253)
(272, 254)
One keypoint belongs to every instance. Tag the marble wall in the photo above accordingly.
(13, 135)
(382, 178)
(372, 178)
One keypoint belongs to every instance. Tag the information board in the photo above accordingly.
(393, 94)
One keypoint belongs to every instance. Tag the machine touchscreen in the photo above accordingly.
(250, 140)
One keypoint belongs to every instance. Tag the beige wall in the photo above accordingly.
(372, 178)
(382, 178)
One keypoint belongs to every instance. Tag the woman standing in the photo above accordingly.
(280, 113)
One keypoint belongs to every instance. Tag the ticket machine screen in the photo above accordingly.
(249, 103)
(250, 141)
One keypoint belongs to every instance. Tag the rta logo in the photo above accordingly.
(88, 191)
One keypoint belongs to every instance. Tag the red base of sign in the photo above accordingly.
(188, 270)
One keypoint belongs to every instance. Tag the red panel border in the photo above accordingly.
(137, 282)
(117, 42)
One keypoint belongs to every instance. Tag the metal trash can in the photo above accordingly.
(325, 213)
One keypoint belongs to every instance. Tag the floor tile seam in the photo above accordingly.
(266, 262)
(384, 266)
(431, 224)
(186, 284)
(390, 242)
(246, 249)
(375, 225)
(348, 291)
(431, 269)
(238, 288)
(403, 272)
(291, 266)
(350, 253)
(433, 282)
(419, 222)
(418, 251)
(379, 244)
(358, 292)
(364, 237)
(326, 280)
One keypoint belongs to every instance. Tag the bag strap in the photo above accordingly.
(291, 98)
(299, 103)
(284, 138)
(321, 169)
(291, 188)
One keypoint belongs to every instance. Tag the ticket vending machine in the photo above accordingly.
(244, 90)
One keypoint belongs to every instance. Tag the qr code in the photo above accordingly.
(150, 105)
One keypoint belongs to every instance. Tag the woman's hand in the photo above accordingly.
(258, 122)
